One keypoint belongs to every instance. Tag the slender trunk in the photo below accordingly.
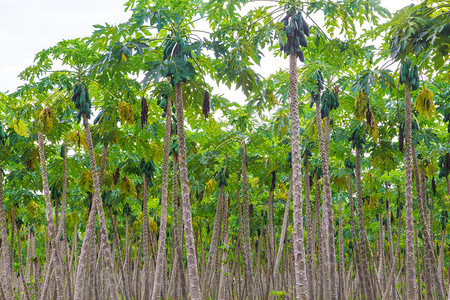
(310, 234)
(283, 234)
(11, 251)
(49, 214)
(101, 216)
(381, 262)
(316, 224)
(22, 273)
(137, 268)
(425, 237)
(441, 258)
(224, 265)
(410, 270)
(362, 231)
(301, 285)
(184, 182)
(328, 203)
(391, 277)
(341, 254)
(326, 253)
(418, 271)
(271, 227)
(391, 244)
(62, 234)
(213, 252)
(145, 242)
(248, 263)
(83, 261)
(178, 229)
(7, 273)
(164, 194)
(121, 266)
(355, 240)
(427, 230)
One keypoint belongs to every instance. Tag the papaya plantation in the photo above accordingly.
(234, 149)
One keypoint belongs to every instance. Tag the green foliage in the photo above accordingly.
(343, 70)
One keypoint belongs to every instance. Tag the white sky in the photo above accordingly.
(28, 26)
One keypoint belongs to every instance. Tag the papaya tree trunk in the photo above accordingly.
(224, 264)
(381, 262)
(391, 245)
(341, 254)
(184, 182)
(164, 194)
(410, 264)
(370, 292)
(271, 229)
(310, 234)
(50, 223)
(84, 260)
(316, 228)
(145, 241)
(329, 204)
(109, 269)
(355, 240)
(22, 273)
(282, 236)
(433, 264)
(391, 279)
(324, 242)
(62, 233)
(213, 251)
(7, 279)
(441, 258)
(178, 229)
(248, 263)
(428, 260)
(301, 282)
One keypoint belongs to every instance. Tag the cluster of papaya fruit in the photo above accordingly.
(174, 46)
(148, 168)
(82, 101)
(222, 175)
(296, 30)
(446, 96)
(357, 138)
(328, 102)
(328, 99)
(444, 165)
(3, 136)
(410, 74)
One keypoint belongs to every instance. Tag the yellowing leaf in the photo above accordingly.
(156, 150)
(127, 186)
(86, 181)
(284, 130)
(361, 105)
(34, 209)
(126, 112)
(311, 130)
(209, 187)
(137, 225)
(153, 225)
(124, 58)
(77, 138)
(21, 128)
(424, 103)
(373, 130)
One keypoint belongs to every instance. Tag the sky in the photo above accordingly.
(29, 26)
